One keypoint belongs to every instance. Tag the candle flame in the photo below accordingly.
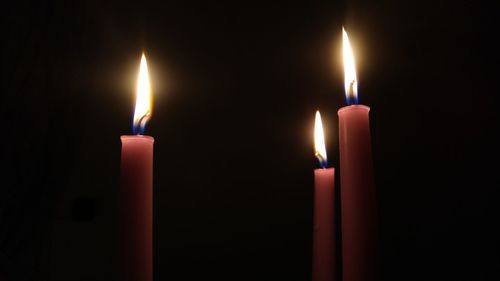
(143, 98)
(350, 81)
(319, 141)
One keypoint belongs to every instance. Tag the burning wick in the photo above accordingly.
(321, 159)
(142, 124)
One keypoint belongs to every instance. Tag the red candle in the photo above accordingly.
(136, 191)
(357, 193)
(323, 234)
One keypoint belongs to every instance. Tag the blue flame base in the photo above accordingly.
(350, 100)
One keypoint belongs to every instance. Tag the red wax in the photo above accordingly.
(136, 209)
(357, 194)
(324, 235)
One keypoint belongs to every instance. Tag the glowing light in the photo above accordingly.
(350, 81)
(319, 141)
(143, 99)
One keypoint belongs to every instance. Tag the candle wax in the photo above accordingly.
(136, 209)
(357, 194)
(324, 230)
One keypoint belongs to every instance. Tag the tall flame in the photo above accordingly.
(350, 81)
(143, 99)
(319, 141)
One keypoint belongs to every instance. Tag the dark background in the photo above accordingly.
(236, 84)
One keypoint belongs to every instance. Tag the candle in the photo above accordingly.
(323, 234)
(357, 189)
(136, 191)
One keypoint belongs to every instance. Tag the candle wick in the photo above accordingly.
(321, 159)
(351, 88)
(141, 124)
(350, 97)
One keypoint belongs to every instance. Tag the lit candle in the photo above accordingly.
(323, 234)
(357, 189)
(136, 192)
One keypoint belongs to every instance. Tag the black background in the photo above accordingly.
(236, 84)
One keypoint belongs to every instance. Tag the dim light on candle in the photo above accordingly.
(323, 267)
(143, 100)
(136, 189)
(357, 194)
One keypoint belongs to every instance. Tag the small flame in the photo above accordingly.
(143, 99)
(319, 141)
(350, 81)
